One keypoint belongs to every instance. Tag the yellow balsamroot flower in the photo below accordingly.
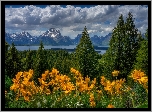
(99, 91)
(41, 81)
(137, 74)
(30, 74)
(87, 79)
(23, 92)
(19, 74)
(113, 83)
(94, 81)
(117, 88)
(73, 70)
(26, 98)
(30, 71)
(110, 106)
(108, 88)
(15, 81)
(121, 81)
(47, 91)
(92, 102)
(14, 87)
(54, 72)
(25, 81)
(25, 74)
(24, 86)
(99, 94)
(115, 73)
(143, 80)
(44, 76)
(81, 87)
(103, 80)
(77, 73)
(47, 72)
(91, 86)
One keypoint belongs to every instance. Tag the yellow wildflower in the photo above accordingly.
(143, 80)
(26, 98)
(110, 106)
(137, 74)
(115, 73)
(92, 102)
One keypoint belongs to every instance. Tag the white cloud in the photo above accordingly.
(35, 32)
(73, 19)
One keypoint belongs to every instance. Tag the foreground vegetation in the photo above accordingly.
(56, 90)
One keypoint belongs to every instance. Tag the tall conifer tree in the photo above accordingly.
(39, 63)
(123, 48)
(112, 59)
(13, 62)
(86, 56)
(29, 61)
(142, 55)
(131, 45)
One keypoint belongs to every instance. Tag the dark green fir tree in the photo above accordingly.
(12, 62)
(86, 56)
(142, 56)
(40, 63)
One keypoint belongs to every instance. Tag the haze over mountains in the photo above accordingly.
(52, 37)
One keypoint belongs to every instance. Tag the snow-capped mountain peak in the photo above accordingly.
(52, 32)
(25, 34)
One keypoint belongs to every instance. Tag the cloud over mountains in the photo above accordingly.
(100, 19)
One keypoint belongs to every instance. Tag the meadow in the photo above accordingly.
(56, 90)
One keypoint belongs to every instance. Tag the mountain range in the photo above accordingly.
(53, 37)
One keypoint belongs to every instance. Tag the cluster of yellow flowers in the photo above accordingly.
(23, 85)
(113, 87)
(57, 81)
(115, 73)
(140, 77)
(83, 84)
(110, 106)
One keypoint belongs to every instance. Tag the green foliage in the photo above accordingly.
(40, 63)
(28, 61)
(86, 56)
(6, 47)
(142, 56)
(8, 83)
(123, 49)
(112, 59)
(12, 62)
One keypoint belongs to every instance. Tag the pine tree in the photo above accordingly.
(131, 45)
(13, 62)
(6, 55)
(28, 61)
(86, 56)
(142, 56)
(39, 63)
(6, 47)
(112, 59)
(123, 48)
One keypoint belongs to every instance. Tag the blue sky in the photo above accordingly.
(71, 19)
